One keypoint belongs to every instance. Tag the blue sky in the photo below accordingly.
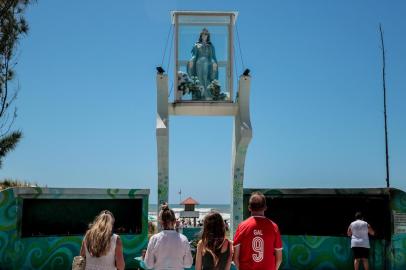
(87, 104)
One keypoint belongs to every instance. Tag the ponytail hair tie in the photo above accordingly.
(164, 207)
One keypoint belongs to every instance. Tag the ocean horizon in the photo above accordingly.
(203, 209)
(219, 207)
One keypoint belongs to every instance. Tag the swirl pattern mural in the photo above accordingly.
(300, 251)
(324, 252)
(398, 254)
(46, 252)
(333, 252)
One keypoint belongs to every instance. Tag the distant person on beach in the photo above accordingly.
(214, 250)
(177, 226)
(257, 241)
(151, 229)
(358, 231)
(168, 249)
(226, 225)
(102, 248)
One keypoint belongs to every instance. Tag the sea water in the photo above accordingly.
(203, 209)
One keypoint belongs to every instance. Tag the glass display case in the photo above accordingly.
(203, 56)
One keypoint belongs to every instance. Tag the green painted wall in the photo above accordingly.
(324, 253)
(56, 252)
(333, 252)
(398, 245)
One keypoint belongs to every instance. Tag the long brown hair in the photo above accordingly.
(98, 236)
(166, 216)
(213, 235)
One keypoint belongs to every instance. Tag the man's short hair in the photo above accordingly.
(358, 215)
(257, 202)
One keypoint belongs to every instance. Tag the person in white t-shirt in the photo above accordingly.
(359, 231)
(168, 250)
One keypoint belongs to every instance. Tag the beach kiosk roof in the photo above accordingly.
(189, 201)
(189, 211)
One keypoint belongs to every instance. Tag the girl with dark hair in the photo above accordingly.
(168, 249)
(214, 250)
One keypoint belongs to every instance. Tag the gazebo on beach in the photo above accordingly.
(189, 211)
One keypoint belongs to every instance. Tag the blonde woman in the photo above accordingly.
(214, 251)
(103, 249)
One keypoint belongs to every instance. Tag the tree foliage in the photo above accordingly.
(12, 26)
(8, 143)
(7, 183)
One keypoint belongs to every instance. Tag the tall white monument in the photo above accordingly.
(203, 85)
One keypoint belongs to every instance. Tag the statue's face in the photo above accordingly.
(204, 36)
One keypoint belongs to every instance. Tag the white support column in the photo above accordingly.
(241, 138)
(162, 138)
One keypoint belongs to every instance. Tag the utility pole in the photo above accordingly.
(384, 108)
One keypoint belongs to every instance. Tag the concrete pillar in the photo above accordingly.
(241, 138)
(162, 138)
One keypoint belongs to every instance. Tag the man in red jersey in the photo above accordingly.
(257, 241)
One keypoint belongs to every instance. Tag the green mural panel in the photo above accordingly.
(398, 256)
(53, 252)
(398, 200)
(324, 252)
(303, 252)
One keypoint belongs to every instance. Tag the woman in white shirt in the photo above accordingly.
(358, 231)
(103, 249)
(168, 250)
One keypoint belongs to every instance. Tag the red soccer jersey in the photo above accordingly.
(258, 238)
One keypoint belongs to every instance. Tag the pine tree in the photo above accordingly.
(12, 26)
(8, 143)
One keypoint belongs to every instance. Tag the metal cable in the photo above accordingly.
(236, 74)
(239, 46)
(169, 63)
(170, 51)
(166, 44)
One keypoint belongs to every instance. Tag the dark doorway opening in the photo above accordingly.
(61, 217)
(328, 215)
